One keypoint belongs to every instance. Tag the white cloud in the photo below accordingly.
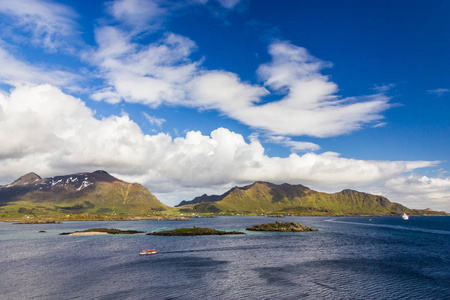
(142, 15)
(310, 106)
(49, 23)
(17, 72)
(293, 145)
(223, 91)
(65, 137)
(47, 131)
(439, 92)
(384, 88)
(416, 184)
(162, 73)
(146, 16)
(148, 75)
(378, 125)
(36, 119)
(42, 126)
(418, 191)
(154, 120)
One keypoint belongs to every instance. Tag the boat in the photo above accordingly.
(147, 252)
(405, 216)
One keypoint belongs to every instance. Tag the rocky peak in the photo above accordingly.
(79, 181)
(27, 179)
(254, 185)
(349, 192)
(101, 175)
(262, 183)
(100, 172)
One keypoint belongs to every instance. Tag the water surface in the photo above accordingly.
(349, 258)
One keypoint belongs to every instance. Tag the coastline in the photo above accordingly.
(60, 219)
(38, 221)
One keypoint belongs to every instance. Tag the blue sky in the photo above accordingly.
(197, 96)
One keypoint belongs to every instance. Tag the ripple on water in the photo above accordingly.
(342, 261)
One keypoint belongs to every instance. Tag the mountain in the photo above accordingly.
(265, 197)
(93, 193)
(202, 198)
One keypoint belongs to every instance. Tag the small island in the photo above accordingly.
(194, 231)
(101, 231)
(280, 226)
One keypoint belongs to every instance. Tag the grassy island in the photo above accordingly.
(99, 231)
(280, 226)
(194, 231)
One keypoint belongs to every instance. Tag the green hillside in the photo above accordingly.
(96, 193)
(90, 195)
(268, 198)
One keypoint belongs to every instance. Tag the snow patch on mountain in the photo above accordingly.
(84, 184)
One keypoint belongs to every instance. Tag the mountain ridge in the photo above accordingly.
(95, 192)
(29, 177)
(99, 193)
(267, 198)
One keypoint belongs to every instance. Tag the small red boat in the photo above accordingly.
(147, 252)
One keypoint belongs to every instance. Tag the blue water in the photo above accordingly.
(349, 258)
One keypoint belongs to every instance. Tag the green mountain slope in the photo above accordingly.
(82, 193)
(267, 198)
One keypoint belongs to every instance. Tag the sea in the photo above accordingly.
(348, 258)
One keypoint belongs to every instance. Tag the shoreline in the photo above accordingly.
(59, 220)
(184, 218)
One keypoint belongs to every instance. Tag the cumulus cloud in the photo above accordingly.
(48, 23)
(41, 124)
(416, 184)
(42, 129)
(417, 191)
(35, 119)
(66, 137)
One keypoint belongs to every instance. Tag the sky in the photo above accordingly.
(198, 96)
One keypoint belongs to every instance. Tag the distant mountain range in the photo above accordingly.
(265, 197)
(99, 193)
(94, 193)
